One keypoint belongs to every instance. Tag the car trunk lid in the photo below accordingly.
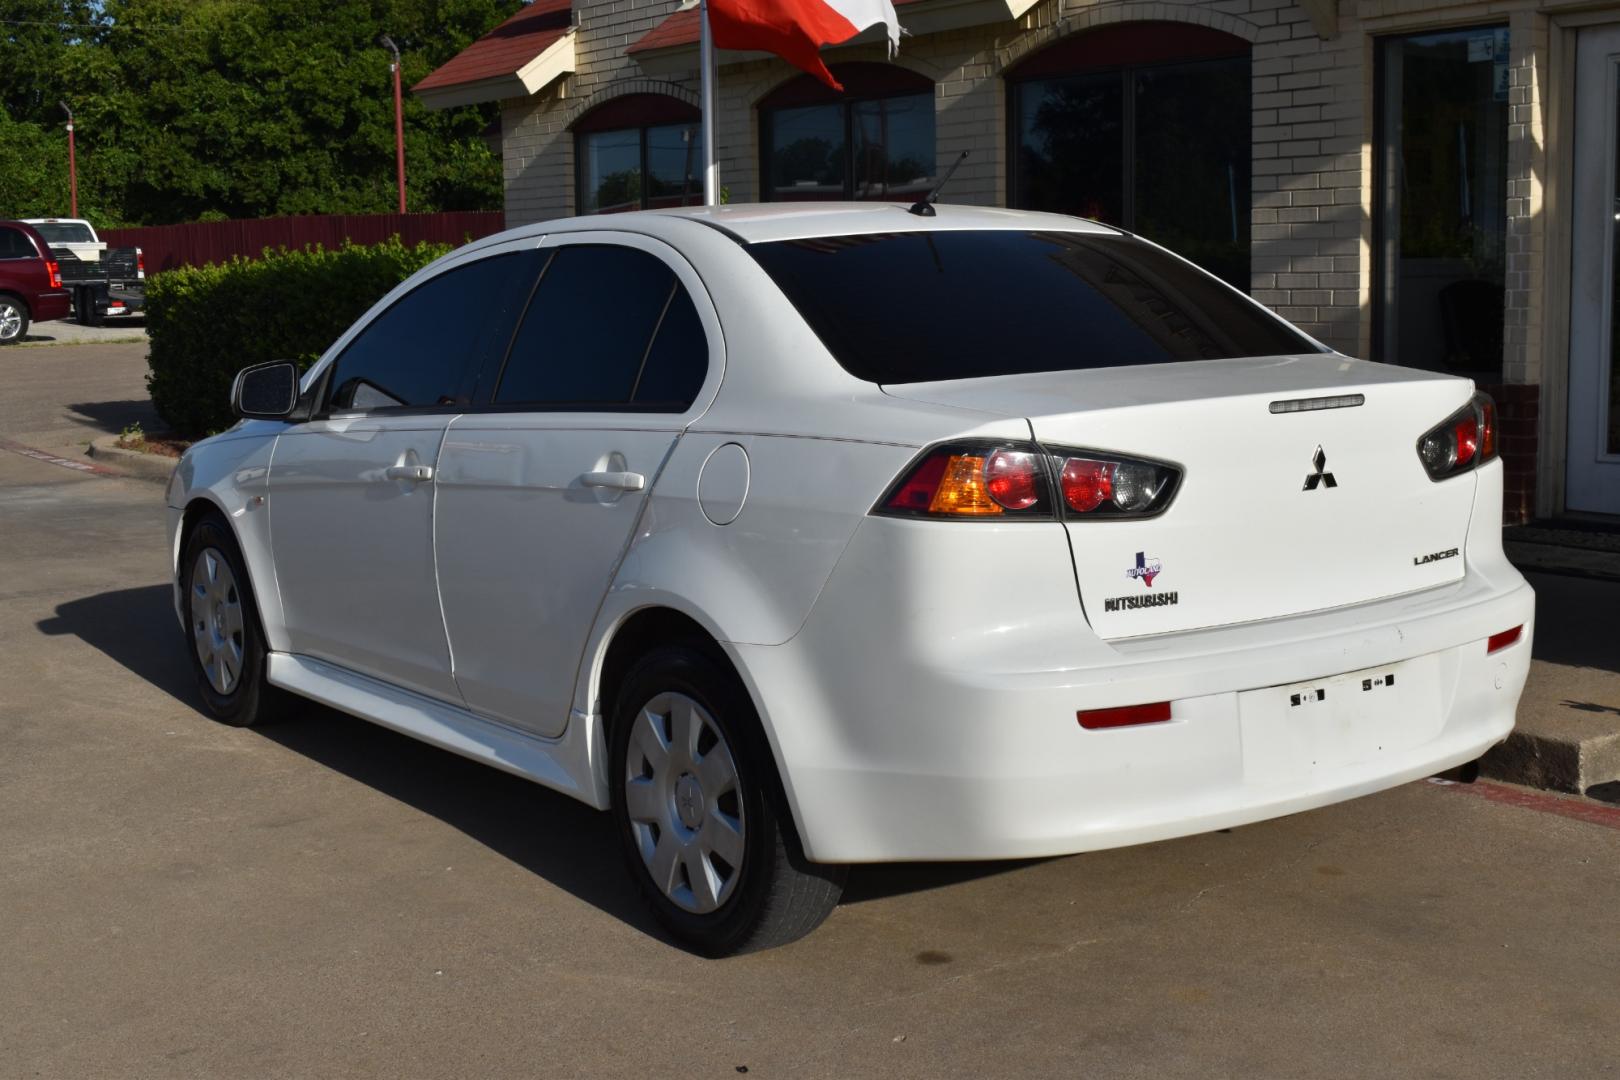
(1286, 505)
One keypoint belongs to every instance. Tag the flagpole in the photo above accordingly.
(710, 90)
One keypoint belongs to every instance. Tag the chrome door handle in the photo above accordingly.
(617, 481)
(419, 474)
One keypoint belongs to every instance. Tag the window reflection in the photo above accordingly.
(1443, 200)
(876, 141)
(1163, 150)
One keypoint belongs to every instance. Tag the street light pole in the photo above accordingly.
(73, 166)
(399, 121)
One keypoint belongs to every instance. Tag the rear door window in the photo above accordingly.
(434, 346)
(610, 327)
(925, 306)
(14, 244)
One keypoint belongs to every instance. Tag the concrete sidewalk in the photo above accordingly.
(1567, 737)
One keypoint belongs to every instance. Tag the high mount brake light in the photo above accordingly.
(1022, 482)
(1465, 439)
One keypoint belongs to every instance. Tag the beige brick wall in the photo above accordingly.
(1312, 228)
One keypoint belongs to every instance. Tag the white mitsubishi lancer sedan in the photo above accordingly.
(802, 536)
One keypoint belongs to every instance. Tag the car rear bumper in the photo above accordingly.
(52, 305)
(917, 724)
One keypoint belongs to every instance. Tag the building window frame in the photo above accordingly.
(639, 113)
(1125, 51)
(1387, 194)
(864, 83)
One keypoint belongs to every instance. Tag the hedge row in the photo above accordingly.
(207, 323)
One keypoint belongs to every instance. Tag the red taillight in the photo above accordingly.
(1466, 435)
(916, 494)
(1013, 478)
(1087, 484)
(1498, 642)
(1463, 440)
(1124, 716)
(140, 263)
(1014, 481)
(55, 272)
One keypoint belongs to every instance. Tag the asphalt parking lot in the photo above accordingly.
(326, 898)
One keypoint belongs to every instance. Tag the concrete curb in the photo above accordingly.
(151, 467)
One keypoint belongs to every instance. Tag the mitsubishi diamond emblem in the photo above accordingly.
(1319, 476)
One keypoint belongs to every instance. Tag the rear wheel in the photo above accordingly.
(13, 320)
(222, 628)
(700, 814)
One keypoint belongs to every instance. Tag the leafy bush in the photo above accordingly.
(207, 323)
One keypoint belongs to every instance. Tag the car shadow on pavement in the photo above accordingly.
(547, 833)
(135, 627)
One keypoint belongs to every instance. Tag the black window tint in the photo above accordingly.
(432, 345)
(678, 360)
(915, 307)
(15, 245)
(588, 329)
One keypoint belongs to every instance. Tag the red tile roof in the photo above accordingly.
(682, 28)
(507, 48)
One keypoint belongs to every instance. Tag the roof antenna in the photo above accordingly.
(924, 207)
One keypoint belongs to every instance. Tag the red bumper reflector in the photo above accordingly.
(1498, 642)
(1126, 716)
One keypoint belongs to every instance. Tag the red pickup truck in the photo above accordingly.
(30, 282)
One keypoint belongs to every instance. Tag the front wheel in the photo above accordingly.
(700, 814)
(13, 320)
(222, 628)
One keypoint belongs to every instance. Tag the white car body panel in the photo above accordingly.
(917, 680)
(1362, 539)
(359, 589)
(959, 740)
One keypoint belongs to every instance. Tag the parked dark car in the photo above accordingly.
(30, 282)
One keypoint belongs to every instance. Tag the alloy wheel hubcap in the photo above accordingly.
(216, 620)
(10, 322)
(684, 803)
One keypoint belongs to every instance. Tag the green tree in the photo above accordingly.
(248, 108)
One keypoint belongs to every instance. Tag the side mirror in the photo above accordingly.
(266, 391)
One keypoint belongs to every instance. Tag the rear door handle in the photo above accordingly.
(616, 481)
(418, 474)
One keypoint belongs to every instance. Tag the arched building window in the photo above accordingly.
(638, 152)
(1144, 125)
(873, 141)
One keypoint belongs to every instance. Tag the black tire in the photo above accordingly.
(13, 308)
(777, 896)
(249, 700)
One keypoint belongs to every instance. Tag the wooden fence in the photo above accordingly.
(166, 247)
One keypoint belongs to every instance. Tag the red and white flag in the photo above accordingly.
(796, 30)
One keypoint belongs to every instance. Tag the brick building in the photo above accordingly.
(1422, 182)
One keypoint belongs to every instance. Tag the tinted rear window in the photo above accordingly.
(14, 244)
(916, 307)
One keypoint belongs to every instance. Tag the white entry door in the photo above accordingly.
(1593, 482)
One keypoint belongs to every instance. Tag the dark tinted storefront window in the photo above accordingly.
(1442, 200)
(639, 152)
(915, 307)
(875, 141)
(1146, 126)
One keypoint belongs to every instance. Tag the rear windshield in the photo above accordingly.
(65, 232)
(916, 307)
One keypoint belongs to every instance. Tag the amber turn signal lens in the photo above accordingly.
(962, 489)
